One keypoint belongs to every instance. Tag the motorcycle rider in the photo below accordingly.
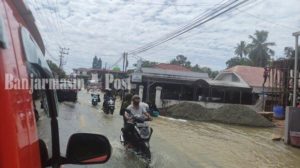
(136, 108)
(125, 103)
(108, 94)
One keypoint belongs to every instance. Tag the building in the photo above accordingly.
(236, 85)
(249, 75)
(253, 78)
(80, 71)
(96, 77)
(176, 81)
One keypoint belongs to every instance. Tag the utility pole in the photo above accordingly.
(124, 55)
(296, 34)
(125, 61)
(62, 52)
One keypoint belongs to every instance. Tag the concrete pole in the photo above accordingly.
(295, 71)
(287, 126)
(158, 101)
(141, 90)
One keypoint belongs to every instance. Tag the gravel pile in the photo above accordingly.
(242, 115)
(229, 114)
(190, 111)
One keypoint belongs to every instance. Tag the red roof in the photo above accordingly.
(172, 67)
(253, 76)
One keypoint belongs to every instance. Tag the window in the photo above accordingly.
(3, 34)
(235, 78)
(34, 56)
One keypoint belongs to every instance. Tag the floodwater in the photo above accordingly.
(180, 143)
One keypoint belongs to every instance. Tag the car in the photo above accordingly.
(29, 130)
(67, 91)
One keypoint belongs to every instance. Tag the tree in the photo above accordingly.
(260, 53)
(95, 62)
(211, 74)
(99, 63)
(290, 52)
(147, 64)
(116, 68)
(241, 49)
(56, 70)
(238, 61)
(181, 60)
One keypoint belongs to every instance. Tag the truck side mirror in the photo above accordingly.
(85, 148)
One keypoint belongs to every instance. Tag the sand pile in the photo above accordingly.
(230, 114)
(190, 111)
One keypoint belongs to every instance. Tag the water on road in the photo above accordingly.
(179, 143)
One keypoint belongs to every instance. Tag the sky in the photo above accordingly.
(107, 28)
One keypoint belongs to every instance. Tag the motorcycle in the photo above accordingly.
(140, 137)
(95, 99)
(109, 108)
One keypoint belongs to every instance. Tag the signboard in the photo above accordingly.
(136, 77)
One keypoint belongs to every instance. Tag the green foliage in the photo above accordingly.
(241, 49)
(260, 52)
(147, 64)
(56, 70)
(238, 61)
(211, 73)
(257, 53)
(97, 63)
(181, 60)
(290, 52)
(117, 69)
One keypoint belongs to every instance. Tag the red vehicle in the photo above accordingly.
(28, 130)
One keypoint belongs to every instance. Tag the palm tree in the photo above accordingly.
(241, 49)
(260, 53)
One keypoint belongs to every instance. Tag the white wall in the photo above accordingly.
(226, 77)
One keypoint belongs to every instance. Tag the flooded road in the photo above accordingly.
(179, 143)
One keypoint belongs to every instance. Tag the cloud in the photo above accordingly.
(102, 27)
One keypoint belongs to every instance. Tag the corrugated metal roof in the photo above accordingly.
(227, 84)
(172, 74)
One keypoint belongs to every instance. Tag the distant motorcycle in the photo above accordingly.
(95, 99)
(109, 106)
(141, 137)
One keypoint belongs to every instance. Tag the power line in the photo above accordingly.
(51, 56)
(193, 21)
(43, 19)
(138, 57)
(223, 9)
(55, 19)
(165, 4)
(266, 20)
(118, 61)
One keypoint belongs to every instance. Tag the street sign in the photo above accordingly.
(136, 77)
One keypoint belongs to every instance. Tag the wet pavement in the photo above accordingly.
(178, 143)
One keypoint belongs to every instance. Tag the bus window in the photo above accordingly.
(34, 56)
(3, 43)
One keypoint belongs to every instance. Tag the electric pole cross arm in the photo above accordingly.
(63, 51)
